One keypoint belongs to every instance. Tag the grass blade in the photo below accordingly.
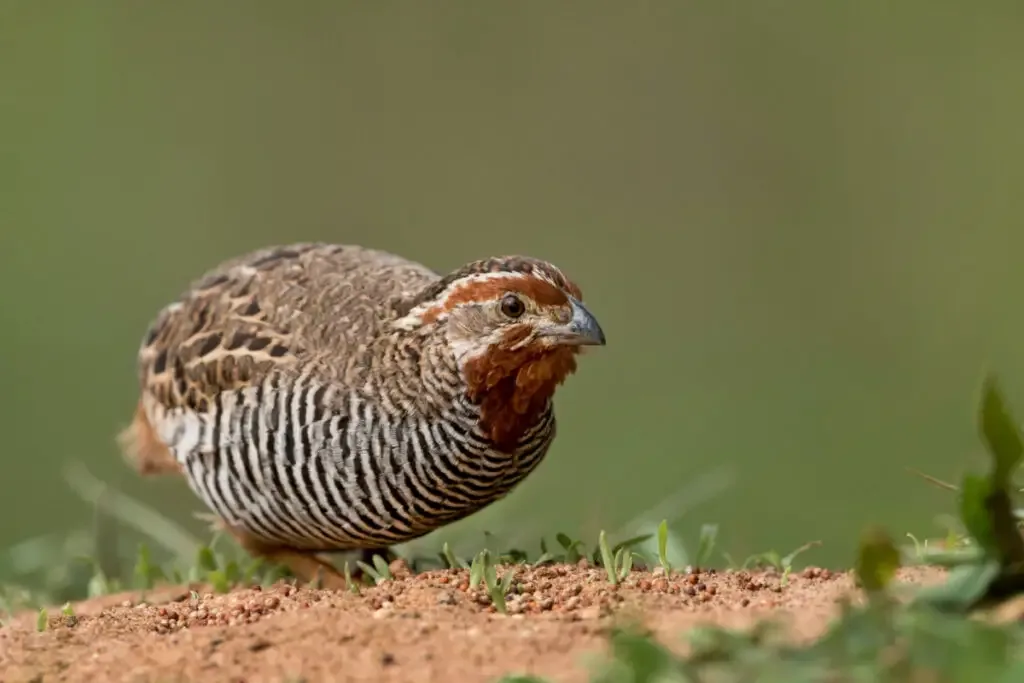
(663, 547)
(607, 559)
(1000, 433)
(353, 587)
(706, 544)
(476, 570)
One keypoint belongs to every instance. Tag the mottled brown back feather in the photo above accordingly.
(268, 309)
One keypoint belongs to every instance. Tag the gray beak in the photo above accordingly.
(583, 329)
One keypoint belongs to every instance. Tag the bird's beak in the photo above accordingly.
(581, 330)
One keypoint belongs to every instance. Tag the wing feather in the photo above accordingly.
(264, 312)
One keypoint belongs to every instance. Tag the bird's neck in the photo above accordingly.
(514, 388)
(508, 390)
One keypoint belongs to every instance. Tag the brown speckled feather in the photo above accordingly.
(270, 308)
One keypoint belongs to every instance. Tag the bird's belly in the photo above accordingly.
(329, 502)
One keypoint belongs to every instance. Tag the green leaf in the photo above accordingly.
(42, 620)
(663, 547)
(938, 557)
(545, 557)
(476, 570)
(515, 556)
(506, 580)
(232, 572)
(451, 560)
(965, 586)
(98, 584)
(706, 544)
(974, 513)
(627, 564)
(617, 563)
(607, 559)
(769, 558)
(1000, 433)
(219, 580)
(146, 573)
(495, 590)
(787, 561)
(639, 658)
(372, 572)
(382, 566)
(353, 587)
(630, 542)
(877, 560)
(490, 577)
(572, 548)
(205, 559)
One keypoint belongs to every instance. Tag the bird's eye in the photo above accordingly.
(512, 306)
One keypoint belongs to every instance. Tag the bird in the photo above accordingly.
(321, 398)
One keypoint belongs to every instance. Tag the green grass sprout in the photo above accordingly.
(450, 559)
(476, 568)
(353, 587)
(379, 572)
(497, 590)
(607, 559)
(663, 547)
(706, 544)
(574, 550)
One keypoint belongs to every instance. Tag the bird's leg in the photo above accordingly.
(307, 567)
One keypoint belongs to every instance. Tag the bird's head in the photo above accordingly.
(514, 325)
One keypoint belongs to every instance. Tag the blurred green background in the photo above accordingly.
(799, 224)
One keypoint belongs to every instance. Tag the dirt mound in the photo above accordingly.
(428, 627)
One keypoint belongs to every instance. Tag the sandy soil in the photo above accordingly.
(427, 627)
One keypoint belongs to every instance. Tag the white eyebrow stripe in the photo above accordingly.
(415, 317)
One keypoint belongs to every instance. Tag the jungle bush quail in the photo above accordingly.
(321, 397)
